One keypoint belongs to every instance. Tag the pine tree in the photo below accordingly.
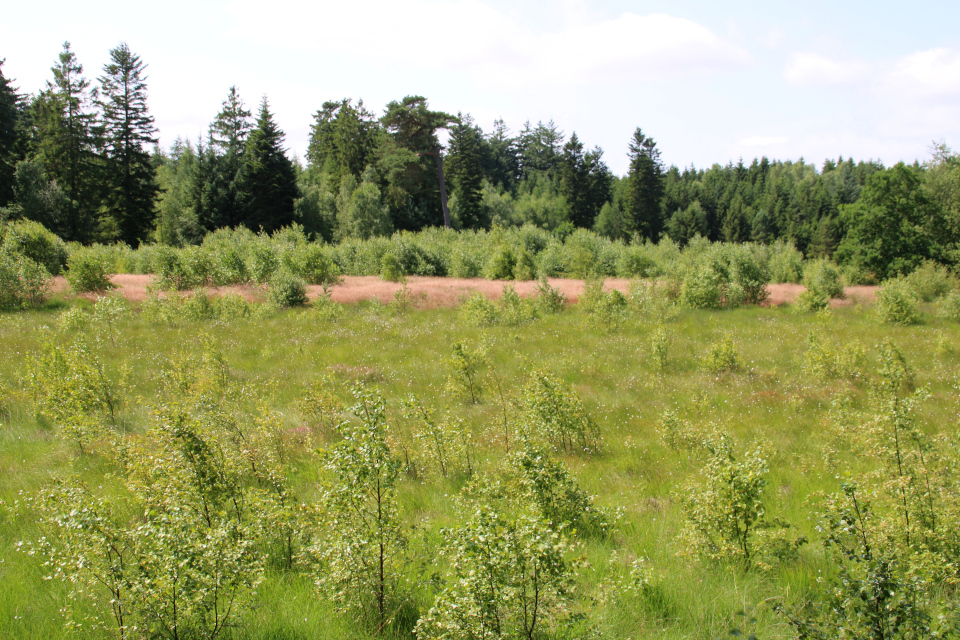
(266, 182)
(465, 170)
(575, 182)
(131, 187)
(65, 144)
(645, 187)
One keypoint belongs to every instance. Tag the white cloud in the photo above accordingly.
(929, 74)
(815, 69)
(471, 38)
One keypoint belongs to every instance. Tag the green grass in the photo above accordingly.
(770, 399)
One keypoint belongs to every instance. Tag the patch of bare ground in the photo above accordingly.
(431, 292)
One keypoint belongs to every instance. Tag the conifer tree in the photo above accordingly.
(65, 144)
(10, 148)
(220, 163)
(465, 169)
(131, 188)
(266, 182)
(644, 187)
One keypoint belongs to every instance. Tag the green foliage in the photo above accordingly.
(785, 262)
(722, 357)
(23, 282)
(32, 240)
(949, 306)
(931, 281)
(501, 264)
(287, 290)
(826, 359)
(444, 444)
(89, 269)
(553, 414)
(823, 278)
(508, 579)
(465, 367)
(726, 513)
(897, 303)
(549, 299)
(811, 300)
(660, 346)
(72, 386)
(362, 546)
(391, 270)
(478, 310)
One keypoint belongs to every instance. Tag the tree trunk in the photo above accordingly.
(443, 187)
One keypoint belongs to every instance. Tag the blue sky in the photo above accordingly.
(710, 82)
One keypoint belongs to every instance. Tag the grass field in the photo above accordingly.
(775, 399)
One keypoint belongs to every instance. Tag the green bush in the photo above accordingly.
(897, 303)
(287, 290)
(89, 269)
(312, 263)
(169, 272)
(823, 277)
(500, 265)
(932, 281)
(702, 289)
(478, 310)
(263, 260)
(785, 262)
(32, 240)
(23, 282)
(949, 307)
(722, 357)
(811, 300)
(390, 269)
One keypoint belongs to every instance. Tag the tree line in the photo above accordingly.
(83, 160)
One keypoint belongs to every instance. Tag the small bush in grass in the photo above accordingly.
(263, 260)
(723, 356)
(312, 263)
(198, 306)
(785, 262)
(702, 289)
(811, 300)
(287, 290)
(949, 306)
(74, 319)
(229, 267)
(478, 310)
(549, 299)
(500, 265)
(326, 309)
(23, 282)
(169, 271)
(931, 281)
(32, 240)
(231, 306)
(555, 415)
(897, 303)
(823, 277)
(88, 270)
(524, 268)
(390, 269)
(659, 346)
(514, 310)
(465, 365)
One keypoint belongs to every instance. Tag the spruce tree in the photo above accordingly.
(10, 147)
(131, 187)
(466, 171)
(220, 164)
(65, 144)
(575, 182)
(644, 187)
(266, 182)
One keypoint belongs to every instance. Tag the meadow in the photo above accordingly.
(626, 466)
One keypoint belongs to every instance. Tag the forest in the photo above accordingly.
(671, 451)
(81, 159)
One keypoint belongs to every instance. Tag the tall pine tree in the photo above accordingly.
(645, 187)
(131, 187)
(266, 182)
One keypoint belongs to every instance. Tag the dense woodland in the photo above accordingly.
(81, 157)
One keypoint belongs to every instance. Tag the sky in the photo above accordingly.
(710, 82)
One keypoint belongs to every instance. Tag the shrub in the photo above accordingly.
(897, 303)
(500, 265)
(823, 277)
(554, 414)
(390, 269)
(514, 310)
(312, 263)
(169, 271)
(525, 268)
(949, 306)
(811, 300)
(465, 365)
(478, 310)
(231, 306)
(32, 240)
(287, 290)
(722, 357)
(785, 263)
(88, 269)
(931, 281)
(702, 289)
(263, 260)
(549, 299)
(23, 282)
(326, 309)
